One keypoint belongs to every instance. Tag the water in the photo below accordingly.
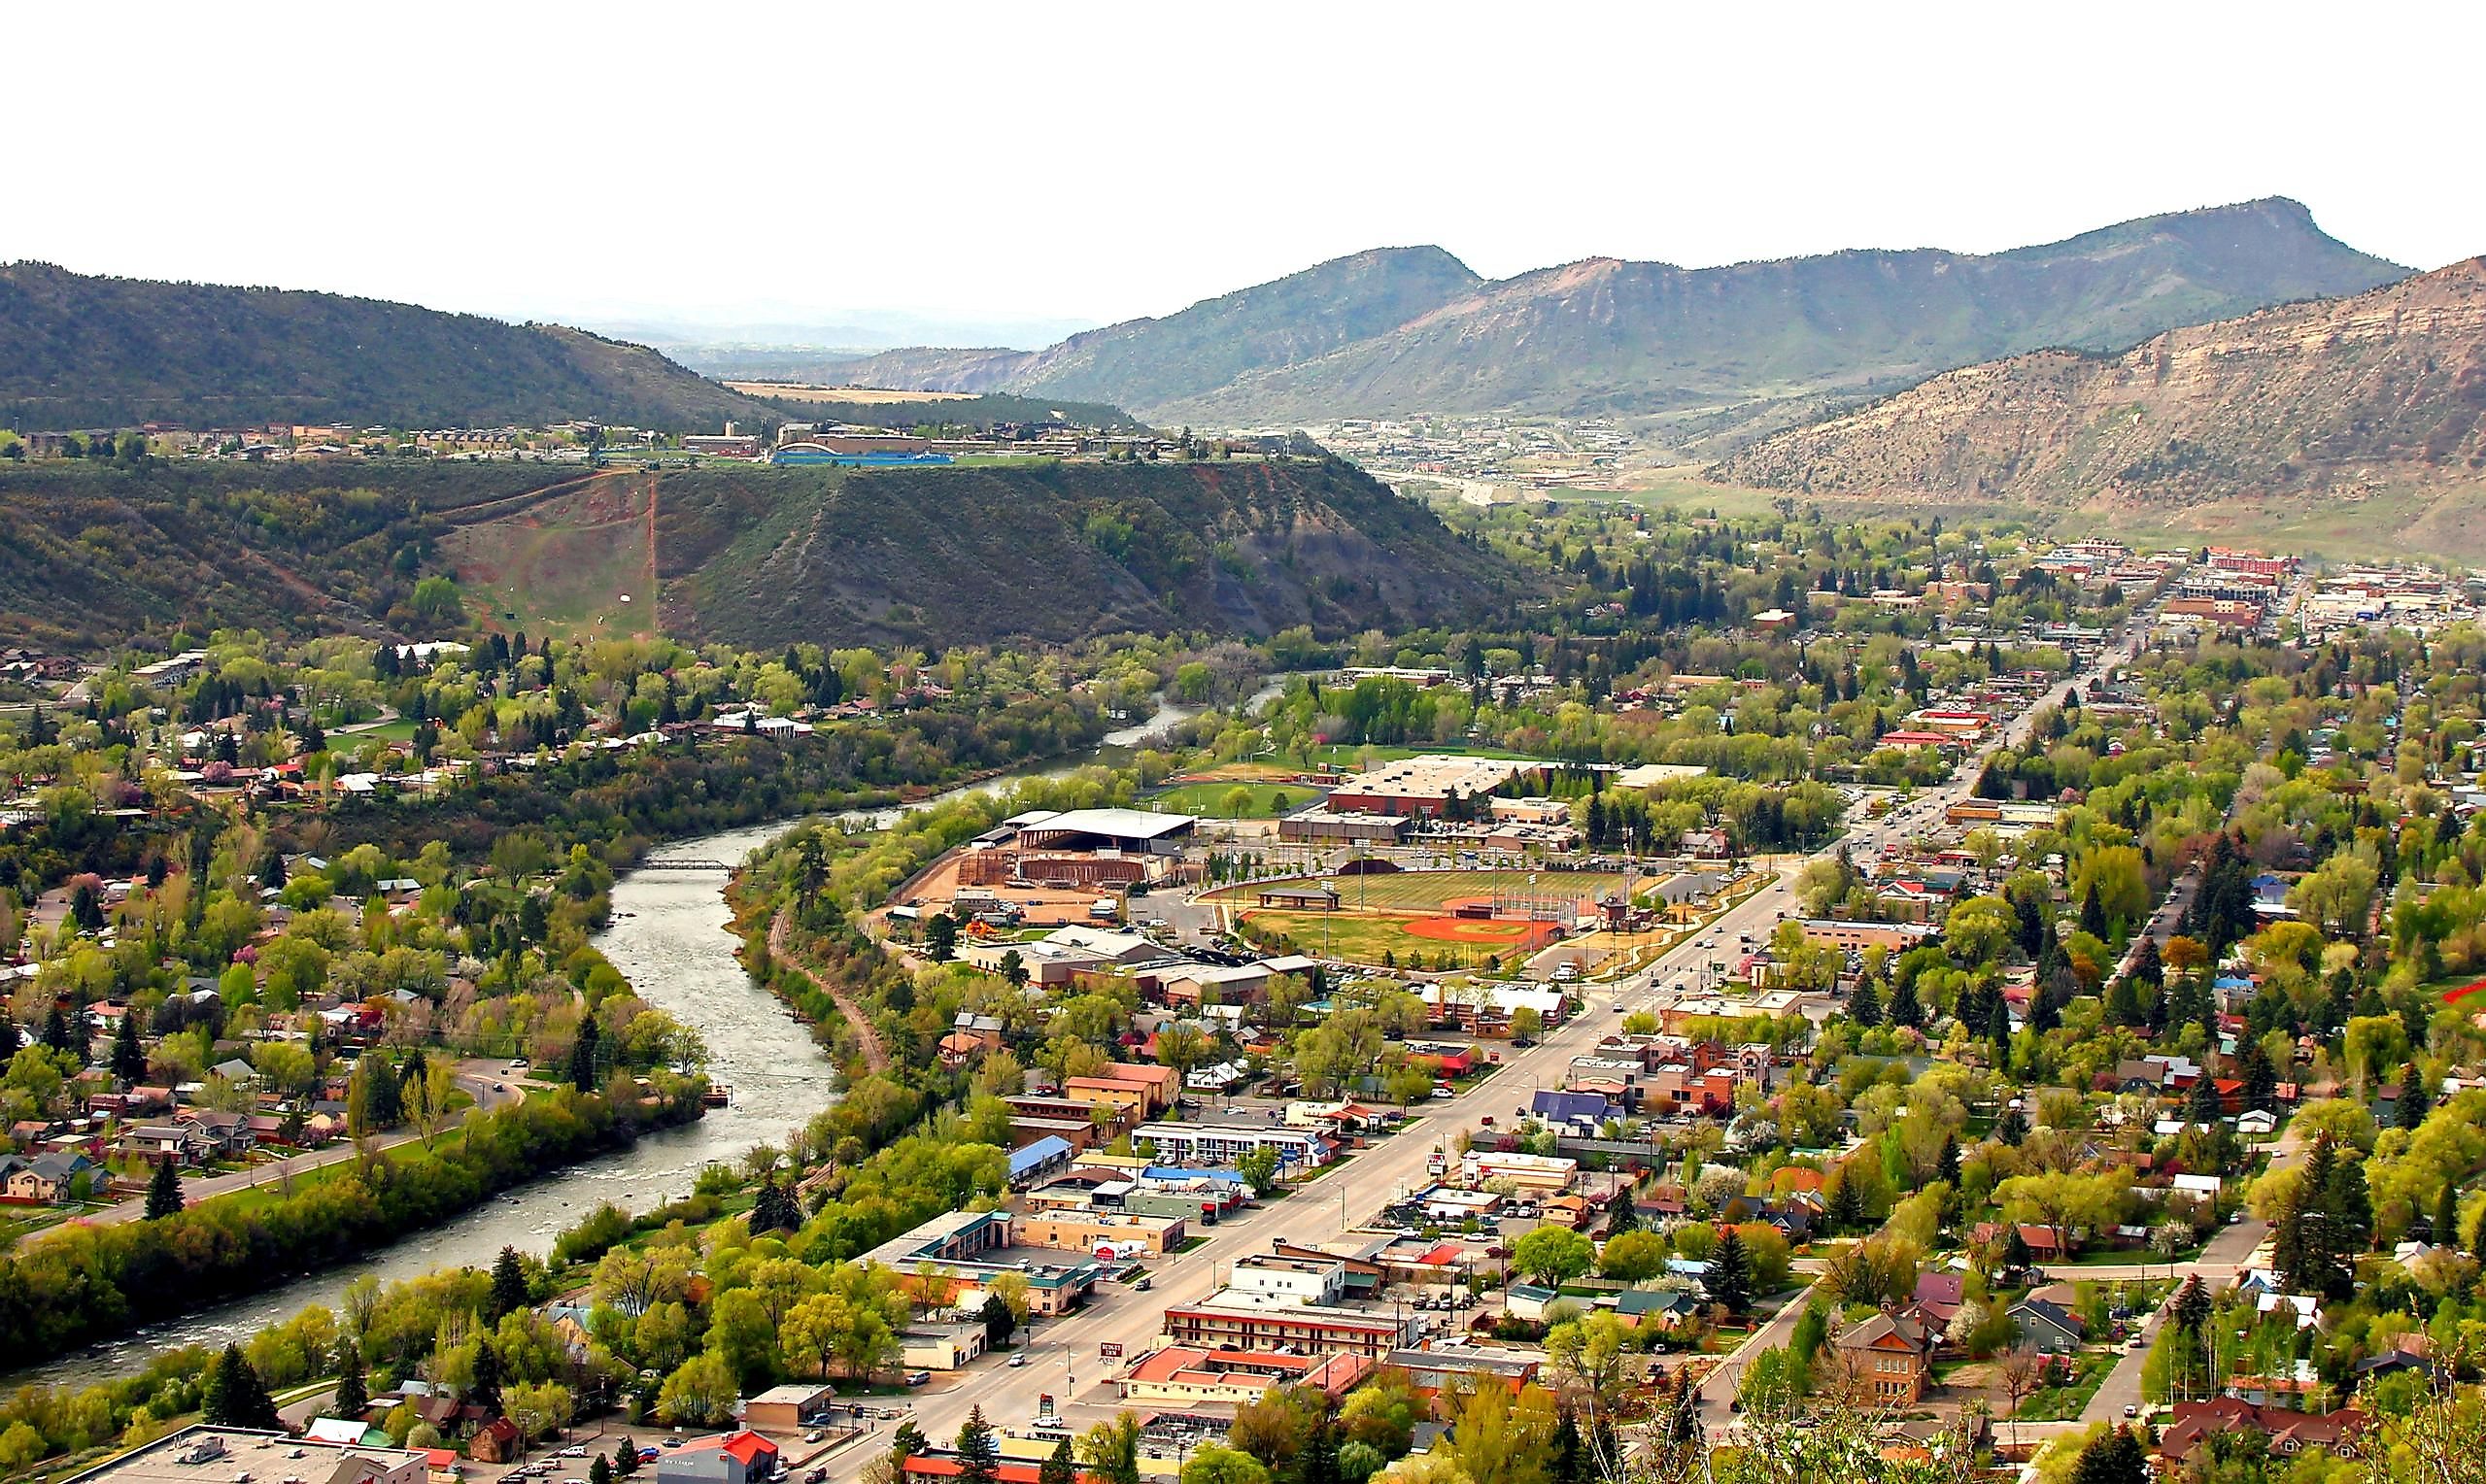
(667, 937)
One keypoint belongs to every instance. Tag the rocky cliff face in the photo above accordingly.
(2342, 398)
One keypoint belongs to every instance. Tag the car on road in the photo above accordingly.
(2131, 1411)
(919, 1378)
(1018, 1358)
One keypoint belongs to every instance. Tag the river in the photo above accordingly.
(667, 937)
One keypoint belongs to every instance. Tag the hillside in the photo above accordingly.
(91, 554)
(83, 351)
(1411, 331)
(2319, 405)
(1152, 363)
(1054, 552)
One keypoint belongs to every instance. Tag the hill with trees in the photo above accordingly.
(80, 352)
(1412, 331)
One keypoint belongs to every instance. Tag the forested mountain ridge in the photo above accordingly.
(77, 351)
(1411, 330)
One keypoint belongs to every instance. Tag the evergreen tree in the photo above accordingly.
(2092, 916)
(2408, 1109)
(485, 1390)
(1864, 1008)
(582, 1055)
(599, 1470)
(2445, 1226)
(979, 1459)
(1059, 1465)
(1947, 1164)
(625, 1459)
(2117, 1458)
(164, 1190)
(233, 1395)
(1998, 1031)
(2261, 1078)
(55, 1028)
(508, 1286)
(352, 1397)
(2146, 965)
(999, 1322)
(1845, 1209)
(1904, 1009)
(2012, 1126)
(1730, 1274)
(129, 1059)
(2203, 1106)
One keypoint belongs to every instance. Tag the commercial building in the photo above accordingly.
(1443, 1366)
(729, 1458)
(939, 1347)
(1186, 1377)
(971, 1248)
(1327, 826)
(1220, 1145)
(1219, 1323)
(1425, 784)
(1541, 1172)
(1133, 831)
(1267, 1278)
(197, 1455)
(786, 1408)
(1094, 1232)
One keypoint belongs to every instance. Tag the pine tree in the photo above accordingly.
(56, 1030)
(232, 1396)
(2445, 1225)
(1846, 1206)
(164, 1190)
(2203, 1106)
(1730, 1274)
(2093, 915)
(582, 1055)
(1947, 1165)
(2012, 1126)
(1904, 1009)
(508, 1286)
(1864, 1008)
(484, 1390)
(2408, 1109)
(2117, 1458)
(979, 1459)
(129, 1059)
(352, 1397)
(1059, 1465)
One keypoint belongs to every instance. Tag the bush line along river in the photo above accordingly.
(668, 937)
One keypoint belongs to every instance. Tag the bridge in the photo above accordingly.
(685, 863)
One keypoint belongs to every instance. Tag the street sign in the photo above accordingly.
(1108, 1350)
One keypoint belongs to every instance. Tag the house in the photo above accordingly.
(1527, 1301)
(1893, 1356)
(939, 1347)
(1658, 1308)
(731, 1457)
(2289, 1433)
(46, 1179)
(2048, 1325)
(496, 1441)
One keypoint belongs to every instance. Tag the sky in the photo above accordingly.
(1017, 169)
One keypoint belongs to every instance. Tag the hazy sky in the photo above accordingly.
(1093, 163)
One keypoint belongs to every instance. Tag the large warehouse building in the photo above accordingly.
(1135, 830)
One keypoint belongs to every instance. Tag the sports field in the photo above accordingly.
(1396, 915)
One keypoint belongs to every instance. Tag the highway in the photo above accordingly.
(1063, 1360)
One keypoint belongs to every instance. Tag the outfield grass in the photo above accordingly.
(1427, 892)
(1209, 799)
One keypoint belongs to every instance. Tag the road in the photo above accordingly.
(2226, 1255)
(1063, 1361)
(485, 1081)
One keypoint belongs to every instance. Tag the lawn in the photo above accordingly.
(1211, 799)
(2062, 1403)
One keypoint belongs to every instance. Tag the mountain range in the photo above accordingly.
(1413, 330)
(83, 351)
(2370, 407)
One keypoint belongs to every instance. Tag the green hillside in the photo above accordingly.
(1054, 552)
(81, 351)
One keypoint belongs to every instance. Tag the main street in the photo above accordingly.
(1063, 1358)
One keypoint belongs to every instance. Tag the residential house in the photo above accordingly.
(2289, 1433)
(2048, 1325)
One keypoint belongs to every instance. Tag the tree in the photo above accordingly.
(599, 1472)
(1111, 1450)
(1633, 1256)
(582, 1055)
(625, 1458)
(1904, 1009)
(1258, 1167)
(508, 1286)
(2115, 1458)
(701, 1393)
(1730, 1275)
(941, 937)
(1527, 1023)
(129, 1059)
(1552, 1254)
(999, 1322)
(2408, 1109)
(164, 1190)
(1214, 1464)
(352, 1397)
(2023, 1373)
(232, 1396)
(1058, 1467)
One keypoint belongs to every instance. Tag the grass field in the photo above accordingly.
(1395, 917)
(1209, 799)
(576, 565)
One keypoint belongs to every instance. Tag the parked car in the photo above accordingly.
(919, 1378)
